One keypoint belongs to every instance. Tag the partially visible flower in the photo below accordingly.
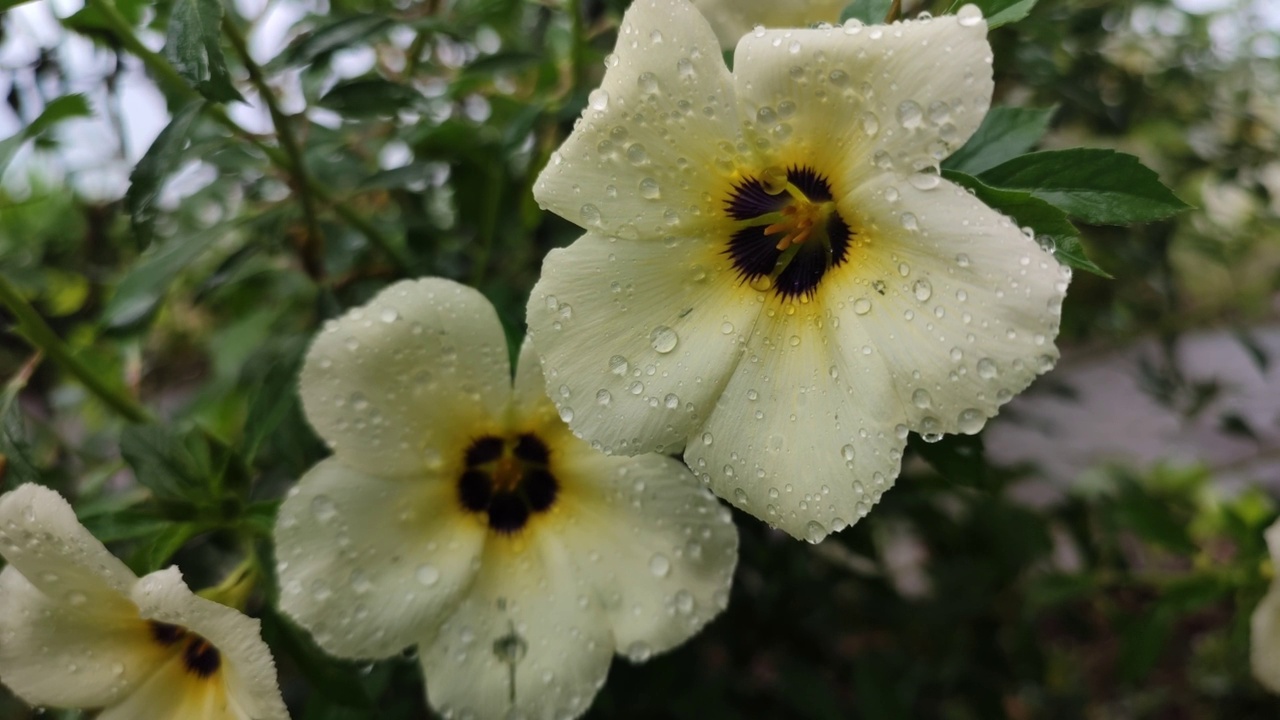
(1264, 636)
(78, 629)
(731, 19)
(459, 514)
(775, 277)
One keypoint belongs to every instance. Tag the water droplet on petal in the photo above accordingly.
(659, 565)
(663, 339)
(323, 508)
(969, 15)
(428, 575)
(970, 421)
(814, 532)
(862, 306)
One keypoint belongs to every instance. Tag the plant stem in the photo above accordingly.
(43, 338)
(311, 247)
(169, 78)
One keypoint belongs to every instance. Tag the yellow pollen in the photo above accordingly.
(507, 473)
(798, 221)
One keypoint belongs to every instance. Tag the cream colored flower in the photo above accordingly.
(78, 629)
(774, 276)
(731, 19)
(460, 515)
(1264, 636)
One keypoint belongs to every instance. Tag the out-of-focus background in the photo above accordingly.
(1095, 553)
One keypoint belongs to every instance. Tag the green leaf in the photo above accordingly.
(871, 12)
(164, 544)
(998, 12)
(16, 464)
(59, 109)
(272, 401)
(139, 293)
(334, 679)
(1098, 186)
(148, 175)
(176, 468)
(193, 46)
(957, 458)
(369, 97)
(1026, 210)
(1005, 133)
(335, 36)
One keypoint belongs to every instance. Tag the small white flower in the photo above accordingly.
(79, 629)
(731, 19)
(1264, 637)
(774, 276)
(460, 515)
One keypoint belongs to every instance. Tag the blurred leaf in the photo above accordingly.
(957, 458)
(1235, 424)
(1102, 187)
(148, 176)
(140, 292)
(332, 678)
(1152, 518)
(272, 401)
(339, 34)
(370, 96)
(1257, 353)
(175, 467)
(59, 109)
(871, 12)
(1005, 133)
(1142, 640)
(1047, 591)
(164, 544)
(1029, 211)
(503, 62)
(413, 176)
(193, 45)
(998, 12)
(126, 524)
(16, 464)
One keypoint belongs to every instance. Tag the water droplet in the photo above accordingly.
(604, 397)
(639, 651)
(924, 180)
(969, 15)
(659, 565)
(618, 365)
(726, 328)
(76, 598)
(647, 82)
(922, 289)
(814, 532)
(637, 154)
(852, 26)
(428, 575)
(649, 189)
(707, 439)
(590, 214)
(862, 306)
(672, 401)
(920, 398)
(909, 221)
(848, 451)
(389, 315)
(870, 123)
(323, 508)
(684, 601)
(909, 114)
(739, 495)
(962, 260)
(566, 414)
(970, 421)
(987, 369)
(663, 339)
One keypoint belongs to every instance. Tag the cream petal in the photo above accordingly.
(171, 693)
(369, 565)
(657, 133)
(731, 19)
(74, 650)
(854, 102)
(41, 537)
(1264, 640)
(530, 402)
(245, 685)
(527, 638)
(656, 548)
(802, 436)
(417, 368)
(958, 307)
(636, 339)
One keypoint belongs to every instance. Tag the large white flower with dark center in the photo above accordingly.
(774, 276)
(1264, 635)
(459, 514)
(731, 19)
(78, 629)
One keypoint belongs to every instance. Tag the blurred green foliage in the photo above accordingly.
(402, 139)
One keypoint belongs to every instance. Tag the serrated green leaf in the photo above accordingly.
(998, 12)
(871, 12)
(1103, 187)
(59, 109)
(193, 46)
(139, 293)
(272, 401)
(1028, 211)
(160, 159)
(335, 36)
(165, 543)
(369, 97)
(16, 465)
(1005, 133)
(169, 464)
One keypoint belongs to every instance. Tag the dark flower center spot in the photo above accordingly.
(507, 479)
(199, 656)
(790, 232)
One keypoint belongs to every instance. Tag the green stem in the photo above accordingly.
(43, 338)
(169, 78)
(311, 248)
(578, 53)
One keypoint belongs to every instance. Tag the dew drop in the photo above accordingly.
(987, 369)
(649, 189)
(848, 452)
(618, 365)
(920, 398)
(323, 509)
(590, 214)
(969, 15)
(659, 565)
(428, 575)
(814, 532)
(663, 339)
(910, 222)
(603, 397)
(909, 114)
(922, 289)
(970, 421)
(862, 306)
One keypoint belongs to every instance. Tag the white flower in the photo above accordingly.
(1264, 636)
(79, 629)
(774, 276)
(460, 515)
(731, 19)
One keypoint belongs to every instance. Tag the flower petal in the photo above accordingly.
(657, 549)
(637, 338)
(959, 306)
(79, 652)
(802, 437)
(369, 564)
(649, 139)
(172, 692)
(731, 19)
(247, 669)
(866, 99)
(41, 537)
(527, 637)
(412, 371)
